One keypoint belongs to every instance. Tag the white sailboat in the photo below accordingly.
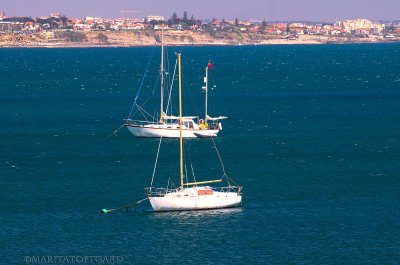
(168, 126)
(192, 196)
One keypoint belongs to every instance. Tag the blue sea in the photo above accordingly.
(313, 136)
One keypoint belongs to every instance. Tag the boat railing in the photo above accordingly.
(213, 125)
(158, 192)
(139, 122)
(236, 189)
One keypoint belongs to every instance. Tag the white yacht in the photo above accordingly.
(168, 126)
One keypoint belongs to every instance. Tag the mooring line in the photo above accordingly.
(125, 206)
(115, 132)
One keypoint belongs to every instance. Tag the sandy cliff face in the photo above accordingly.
(148, 38)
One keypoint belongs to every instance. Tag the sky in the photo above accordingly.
(270, 10)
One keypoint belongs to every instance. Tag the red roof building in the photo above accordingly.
(253, 29)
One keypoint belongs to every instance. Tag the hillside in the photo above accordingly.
(147, 38)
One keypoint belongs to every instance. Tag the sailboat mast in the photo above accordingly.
(162, 73)
(205, 119)
(180, 120)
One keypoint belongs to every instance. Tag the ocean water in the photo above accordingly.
(313, 136)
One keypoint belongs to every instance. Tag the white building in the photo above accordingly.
(157, 18)
(55, 15)
(350, 26)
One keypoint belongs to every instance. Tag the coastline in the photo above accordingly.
(178, 38)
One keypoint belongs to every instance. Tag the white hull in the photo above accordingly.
(185, 201)
(160, 130)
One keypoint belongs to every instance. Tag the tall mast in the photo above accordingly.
(180, 120)
(205, 119)
(162, 72)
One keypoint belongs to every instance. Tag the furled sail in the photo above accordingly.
(166, 117)
(217, 118)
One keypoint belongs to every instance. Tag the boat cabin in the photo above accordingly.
(188, 124)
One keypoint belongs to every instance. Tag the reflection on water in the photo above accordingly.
(196, 215)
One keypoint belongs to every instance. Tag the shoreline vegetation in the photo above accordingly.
(66, 39)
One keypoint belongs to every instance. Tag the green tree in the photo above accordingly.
(192, 21)
(71, 36)
(52, 22)
(262, 26)
(156, 22)
(389, 30)
(236, 21)
(264, 23)
(64, 20)
(108, 25)
(185, 16)
(19, 19)
(223, 23)
(174, 18)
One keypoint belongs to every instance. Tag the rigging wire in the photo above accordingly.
(172, 83)
(194, 177)
(189, 155)
(167, 74)
(166, 111)
(142, 110)
(152, 93)
(140, 87)
(155, 164)
(144, 76)
(186, 175)
(148, 98)
(186, 83)
(220, 159)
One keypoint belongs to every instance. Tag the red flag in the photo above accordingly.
(210, 65)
